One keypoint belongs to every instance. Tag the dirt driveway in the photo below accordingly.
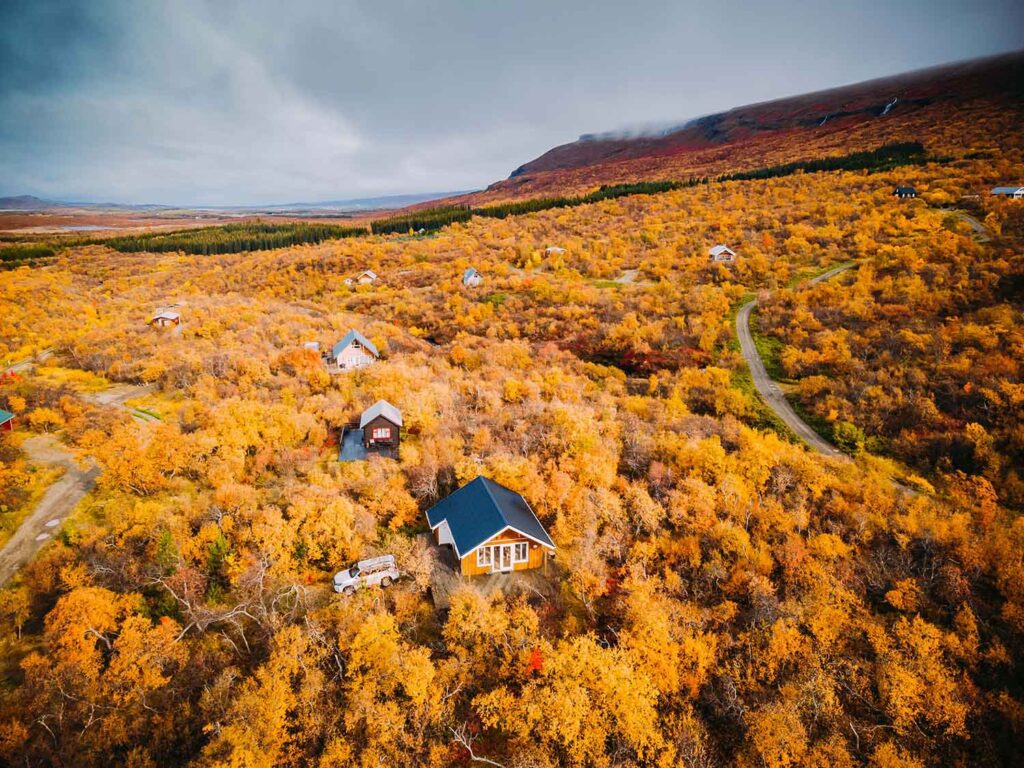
(57, 503)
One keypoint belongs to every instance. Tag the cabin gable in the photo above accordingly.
(504, 552)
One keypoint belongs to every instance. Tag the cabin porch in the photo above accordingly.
(445, 578)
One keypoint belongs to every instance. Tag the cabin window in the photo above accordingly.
(382, 433)
(483, 557)
(522, 552)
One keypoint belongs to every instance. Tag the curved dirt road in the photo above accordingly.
(57, 503)
(979, 229)
(63, 496)
(769, 390)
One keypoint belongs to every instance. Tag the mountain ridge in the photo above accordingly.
(900, 107)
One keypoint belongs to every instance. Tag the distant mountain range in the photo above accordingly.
(353, 205)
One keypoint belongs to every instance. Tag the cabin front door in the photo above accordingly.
(502, 558)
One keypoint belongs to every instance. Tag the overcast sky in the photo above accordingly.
(225, 102)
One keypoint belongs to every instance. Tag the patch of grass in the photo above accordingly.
(82, 381)
(496, 299)
(819, 424)
(769, 348)
(733, 344)
(155, 404)
(810, 274)
(760, 416)
(41, 477)
(607, 284)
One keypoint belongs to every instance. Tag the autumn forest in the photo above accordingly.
(720, 593)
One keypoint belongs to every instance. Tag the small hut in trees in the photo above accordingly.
(471, 277)
(6, 421)
(491, 528)
(1017, 193)
(721, 254)
(366, 277)
(382, 426)
(354, 351)
(904, 192)
(165, 318)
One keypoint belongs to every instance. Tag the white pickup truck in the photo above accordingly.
(377, 570)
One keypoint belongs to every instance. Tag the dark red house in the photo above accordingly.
(382, 425)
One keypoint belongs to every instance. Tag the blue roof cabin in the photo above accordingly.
(491, 528)
(354, 351)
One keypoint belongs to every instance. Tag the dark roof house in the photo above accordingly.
(904, 192)
(491, 528)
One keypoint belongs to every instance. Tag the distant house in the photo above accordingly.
(1017, 193)
(382, 425)
(721, 254)
(491, 528)
(354, 351)
(165, 319)
(313, 346)
(471, 277)
(554, 249)
(6, 421)
(367, 277)
(904, 192)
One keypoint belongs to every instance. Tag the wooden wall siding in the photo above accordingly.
(380, 421)
(535, 552)
(353, 357)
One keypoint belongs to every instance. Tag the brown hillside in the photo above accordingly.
(953, 109)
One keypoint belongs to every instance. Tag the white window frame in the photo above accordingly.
(381, 433)
(526, 552)
(481, 562)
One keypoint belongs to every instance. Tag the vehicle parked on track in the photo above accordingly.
(375, 571)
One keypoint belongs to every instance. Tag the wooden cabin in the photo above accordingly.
(721, 254)
(904, 192)
(382, 426)
(1016, 193)
(6, 421)
(354, 351)
(471, 278)
(165, 319)
(366, 277)
(491, 528)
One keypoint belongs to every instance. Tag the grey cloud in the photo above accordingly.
(252, 102)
